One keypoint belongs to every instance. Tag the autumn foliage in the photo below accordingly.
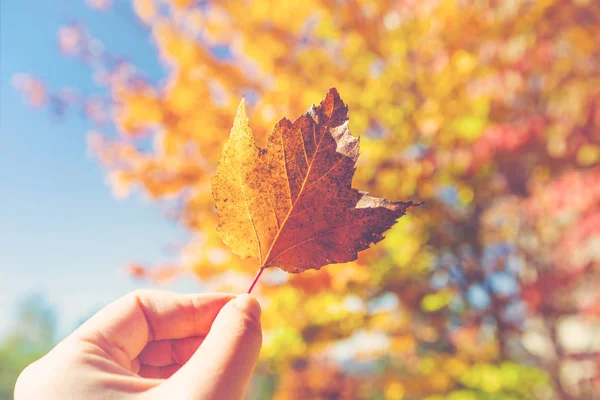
(488, 111)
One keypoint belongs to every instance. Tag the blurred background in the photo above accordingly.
(113, 114)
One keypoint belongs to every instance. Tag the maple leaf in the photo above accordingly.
(292, 204)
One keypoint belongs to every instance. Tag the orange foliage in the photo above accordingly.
(486, 110)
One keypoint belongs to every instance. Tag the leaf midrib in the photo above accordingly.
(285, 220)
(250, 216)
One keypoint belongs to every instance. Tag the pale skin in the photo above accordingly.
(154, 344)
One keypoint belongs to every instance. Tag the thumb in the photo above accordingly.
(223, 365)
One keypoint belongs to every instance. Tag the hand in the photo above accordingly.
(153, 345)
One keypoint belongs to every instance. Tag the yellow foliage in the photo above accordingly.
(440, 92)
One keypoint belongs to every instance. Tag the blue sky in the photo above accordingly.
(62, 233)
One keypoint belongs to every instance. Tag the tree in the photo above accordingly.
(485, 110)
(33, 335)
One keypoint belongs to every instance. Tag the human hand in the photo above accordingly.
(153, 344)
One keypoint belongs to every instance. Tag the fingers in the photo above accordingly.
(123, 328)
(162, 358)
(223, 365)
(164, 372)
(135, 366)
(167, 352)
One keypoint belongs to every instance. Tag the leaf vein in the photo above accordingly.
(316, 236)
(334, 165)
(295, 200)
(287, 178)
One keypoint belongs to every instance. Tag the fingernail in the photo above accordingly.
(249, 305)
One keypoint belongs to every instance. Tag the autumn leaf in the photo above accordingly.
(292, 204)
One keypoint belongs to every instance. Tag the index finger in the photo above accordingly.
(130, 323)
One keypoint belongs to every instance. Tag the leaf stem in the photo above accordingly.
(260, 271)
